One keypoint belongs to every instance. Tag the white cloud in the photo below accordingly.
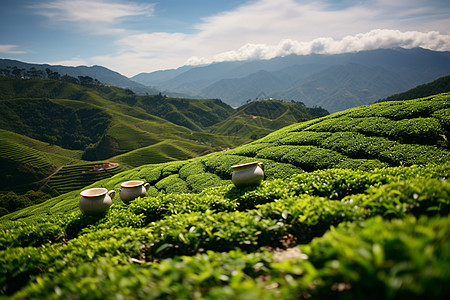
(373, 39)
(10, 49)
(97, 16)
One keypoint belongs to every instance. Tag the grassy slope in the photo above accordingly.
(350, 231)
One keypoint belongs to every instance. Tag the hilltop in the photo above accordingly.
(347, 201)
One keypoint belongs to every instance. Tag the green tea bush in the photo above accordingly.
(249, 150)
(443, 116)
(417, 130)
(209, 275)
(310, 216)
(22, 234)
(382, 259)
(305, 138)
(187, 234)
(199, 182)
(276, 152)
(397, 110)
(191, 168)
(356, 145)
(311, 158)
(172, 184)
(220, 164)
(172, 168)
(421, 196)
(117, 217)
(410, 154)
(361, 164)
(19, 266)
(150, 174)
(273, 170)
(155, 208)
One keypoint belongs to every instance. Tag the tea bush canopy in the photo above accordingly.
(354, 205)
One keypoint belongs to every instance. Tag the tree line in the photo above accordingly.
(34, 73)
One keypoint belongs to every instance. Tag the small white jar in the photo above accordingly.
(249, 174)
(96, 201)
(132, 189)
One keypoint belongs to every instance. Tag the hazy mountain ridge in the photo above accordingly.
(100, 73)
(381, 73)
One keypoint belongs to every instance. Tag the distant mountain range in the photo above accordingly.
(334, 82)
(100, 73)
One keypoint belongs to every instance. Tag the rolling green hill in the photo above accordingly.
(354, 205)
(105, 123)
(258, 118)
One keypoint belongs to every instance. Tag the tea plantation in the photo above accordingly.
(354, 205)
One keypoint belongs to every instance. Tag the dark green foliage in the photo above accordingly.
(441, 85)
(30, 235)
(53, 123)
(199, 182)
(382, 259)
(12, 202)
(172, 184)
(188, 234)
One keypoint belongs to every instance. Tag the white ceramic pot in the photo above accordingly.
(132, 189)
(96, 201)
(249, 174)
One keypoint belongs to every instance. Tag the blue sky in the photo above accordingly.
(137, 36)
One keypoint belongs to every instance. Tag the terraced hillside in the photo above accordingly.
(25, 161)
(354, 205)
(74, 177)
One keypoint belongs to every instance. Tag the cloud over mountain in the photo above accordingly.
(374, 39)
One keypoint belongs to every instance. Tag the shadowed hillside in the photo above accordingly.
(347, 201)
(441, 85)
